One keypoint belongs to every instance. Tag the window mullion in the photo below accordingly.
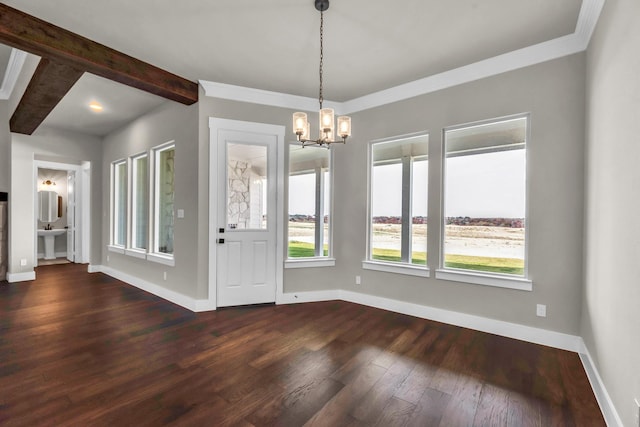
(405, 239)
(319, 247)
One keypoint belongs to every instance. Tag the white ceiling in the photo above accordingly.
(369, 45)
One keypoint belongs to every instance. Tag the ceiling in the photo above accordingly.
(369, 45)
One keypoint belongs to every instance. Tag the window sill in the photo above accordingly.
(309, 262)
(388, 267)
(116, 249)
(136, 253)
(162, 259)
(499, 281)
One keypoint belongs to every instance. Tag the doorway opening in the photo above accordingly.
(62, 220)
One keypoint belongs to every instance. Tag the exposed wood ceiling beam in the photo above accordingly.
(49, 84)
(64, 48)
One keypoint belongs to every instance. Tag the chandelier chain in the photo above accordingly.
(320, 98)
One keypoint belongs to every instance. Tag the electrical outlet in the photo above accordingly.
(358, 280)
(23, 262)
(180, 213)
(165, 275)
(541, 310)
(107, 258)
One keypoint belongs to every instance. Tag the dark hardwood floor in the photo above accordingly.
(79, 349)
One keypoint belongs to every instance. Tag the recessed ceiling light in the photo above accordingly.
(95, 106)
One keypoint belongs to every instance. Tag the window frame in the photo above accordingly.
(114, 198)
(479, 277)
(403, 267)
(132, 248)
(153, 253)
(316, 260)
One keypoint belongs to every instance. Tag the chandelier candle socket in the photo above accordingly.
(326, 122)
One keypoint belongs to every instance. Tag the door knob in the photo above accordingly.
(220, 240)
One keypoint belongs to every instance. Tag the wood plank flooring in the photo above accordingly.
(79, 349)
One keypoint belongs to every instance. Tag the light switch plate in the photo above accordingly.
(541, 310)
(180, 213)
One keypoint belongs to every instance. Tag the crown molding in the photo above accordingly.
(531, 55)
(11, 74)
(264, 97)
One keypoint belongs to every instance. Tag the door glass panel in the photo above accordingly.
(246, 187)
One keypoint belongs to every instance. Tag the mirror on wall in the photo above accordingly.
(49, 208)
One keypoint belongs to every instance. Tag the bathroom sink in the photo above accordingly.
(55, 232)
(49, 241)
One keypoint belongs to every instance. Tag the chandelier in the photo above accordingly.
(326, 115)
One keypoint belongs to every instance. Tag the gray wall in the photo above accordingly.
(553, 93)
(169, 122)
(610, 315)
(57, 146)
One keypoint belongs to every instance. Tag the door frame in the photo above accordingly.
(216, 125)
(82, 235)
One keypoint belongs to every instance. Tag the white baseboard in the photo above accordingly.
(478, 323)
(313, 296)
(602, 396)
(21, 277)
(92, 268)
(157, 290)
(57, 255)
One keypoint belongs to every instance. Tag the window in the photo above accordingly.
(164, 199)
(140, 202)
(398, 211)
(309, 202)
(119, 203)
(485, 197)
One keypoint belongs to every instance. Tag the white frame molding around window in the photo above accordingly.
(154, 254)
(319, 260)
(484, 278)
(132, 249)
(113, 199)
(152, 208)
(403, 267)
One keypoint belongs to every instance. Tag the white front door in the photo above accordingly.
(245, 228)
(71, 216)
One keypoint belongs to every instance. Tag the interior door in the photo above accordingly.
(71, 216)
(246, 229)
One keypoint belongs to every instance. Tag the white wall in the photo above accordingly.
(5, 147)
(610, 315)
(57, 146)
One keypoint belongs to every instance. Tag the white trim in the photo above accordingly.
(478, 323)
(11, 74)
(485, 279)
(136, 253)
(607, 407)
(587, 20)
(576, 42)
(398, 268)
(93, 268)
(116, 249)
(311, 296)
(162, 259)
(265, 97)
(56, 255)
(172, 296)
(21, 277)
(309, 262)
